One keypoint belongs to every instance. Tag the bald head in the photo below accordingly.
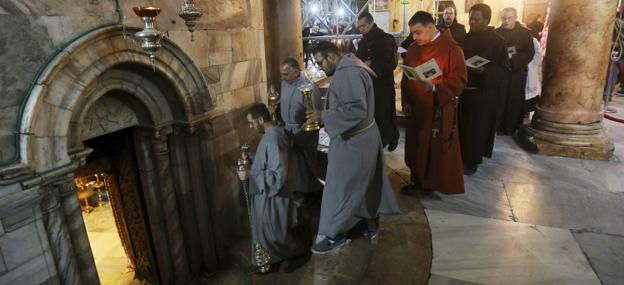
(509, 18)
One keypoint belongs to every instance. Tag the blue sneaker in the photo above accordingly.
(329, 244)
(363, 228)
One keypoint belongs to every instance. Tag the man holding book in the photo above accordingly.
(486, 58)
(432, 150)
(520, 49)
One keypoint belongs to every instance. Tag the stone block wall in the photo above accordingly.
(228, 48)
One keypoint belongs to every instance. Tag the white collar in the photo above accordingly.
(436, 36)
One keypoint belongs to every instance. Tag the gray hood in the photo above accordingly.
(350, 60)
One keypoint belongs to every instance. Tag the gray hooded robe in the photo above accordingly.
(273, 212)
(357, 184)
(292, 111)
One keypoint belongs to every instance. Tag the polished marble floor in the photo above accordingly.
(531, 219)
(110, 259)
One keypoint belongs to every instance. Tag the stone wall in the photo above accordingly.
(228, 49)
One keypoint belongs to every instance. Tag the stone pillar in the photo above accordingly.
(184, 195)
(77, 230)
(150, 184)
(568, 120)
(282, 35)
(59, 237)
(166, 186)
(203, 205)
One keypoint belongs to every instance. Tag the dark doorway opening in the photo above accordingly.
(114, 209)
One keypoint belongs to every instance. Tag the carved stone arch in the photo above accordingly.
(56, 97)
(146, 101)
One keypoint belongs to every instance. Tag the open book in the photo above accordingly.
(426, 71)
(476, 61)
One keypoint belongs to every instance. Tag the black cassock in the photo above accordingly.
(458, 31)
(381, 49)
(478, 103)
(511, 105)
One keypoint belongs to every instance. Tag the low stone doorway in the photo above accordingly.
(114, 211)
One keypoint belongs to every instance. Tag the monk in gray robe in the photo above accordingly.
(273, 212)
(292, 112)
(357, 187)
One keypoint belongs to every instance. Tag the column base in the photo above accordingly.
(568, 140)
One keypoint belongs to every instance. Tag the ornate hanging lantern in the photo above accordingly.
(149, 38)
(190, 13)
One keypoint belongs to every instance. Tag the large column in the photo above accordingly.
(568, 120)
(282, 35)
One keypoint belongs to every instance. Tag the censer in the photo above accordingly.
(259, 255)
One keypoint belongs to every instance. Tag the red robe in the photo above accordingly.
(435, 162)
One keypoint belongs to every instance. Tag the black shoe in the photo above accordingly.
(393, 145)
(470, 170)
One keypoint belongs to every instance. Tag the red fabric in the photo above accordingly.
(435, 163)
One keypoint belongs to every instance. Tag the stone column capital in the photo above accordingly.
(159, 139)
(49, 198)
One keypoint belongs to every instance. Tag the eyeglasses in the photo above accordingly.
(320, 62)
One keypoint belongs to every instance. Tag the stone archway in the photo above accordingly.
(168, 104)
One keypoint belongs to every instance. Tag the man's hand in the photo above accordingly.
(407, 110)
(314, 115)
(426, 84)
(368, 62)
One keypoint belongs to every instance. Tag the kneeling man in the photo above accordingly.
(273, 211)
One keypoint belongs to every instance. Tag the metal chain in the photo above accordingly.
(245, 186)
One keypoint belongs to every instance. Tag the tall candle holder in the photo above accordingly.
(306, 90)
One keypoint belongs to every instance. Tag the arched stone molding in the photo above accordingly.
(57, 94)
(146, 102)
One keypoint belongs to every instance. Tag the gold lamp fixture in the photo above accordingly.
(190, 13)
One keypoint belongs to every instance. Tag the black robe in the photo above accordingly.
(458, 31)
(380, 48)
(511, 105)
(478, 103)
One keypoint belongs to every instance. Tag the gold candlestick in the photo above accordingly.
(273, 99)
(306, 90)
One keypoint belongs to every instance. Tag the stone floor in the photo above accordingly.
(401, 254)
(110, 259)
(529, 219)
(524, 219)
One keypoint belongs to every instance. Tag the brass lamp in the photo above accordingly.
(190, 13)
